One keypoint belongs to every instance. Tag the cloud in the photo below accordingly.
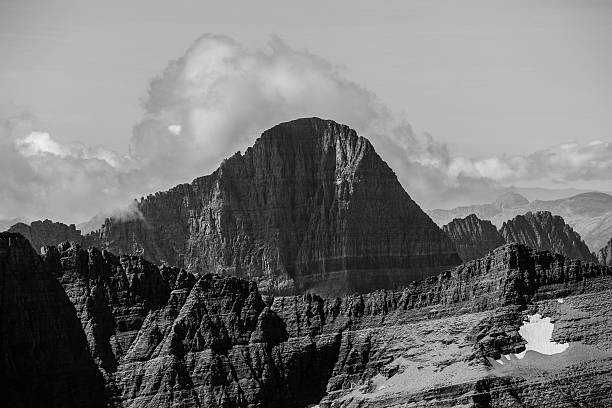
(215, 100)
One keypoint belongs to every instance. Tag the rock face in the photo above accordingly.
(543, 231)
(434, 341)
(41, 233)
(473, 237)
(44, 359)
(161, 338)
(605, 254)
(310, 206)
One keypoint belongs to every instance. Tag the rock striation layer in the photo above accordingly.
(473, 237)
(311, 206)
(544, 231)
(604, 256)
(44, 358)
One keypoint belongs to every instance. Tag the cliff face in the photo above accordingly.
(542, 230)
(44, 359)
(604, 255)
(41, 233)
(473, 237)
(310, 206)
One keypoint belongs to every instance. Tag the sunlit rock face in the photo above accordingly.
(311, 206)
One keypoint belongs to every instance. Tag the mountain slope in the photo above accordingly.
(544, 231)
(310, 206)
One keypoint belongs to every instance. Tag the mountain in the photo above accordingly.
(45, 361)
(311, 206)
(164, 338)
(589, 214)
(47, 232)
(605, 254)
(473, 237)
(6, 223)
(544, 231)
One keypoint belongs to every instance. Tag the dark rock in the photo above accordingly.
(310, 206)
(42, 233)
(44, 359)
(547, 232)
(473, 237)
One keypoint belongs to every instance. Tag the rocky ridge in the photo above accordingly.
(310, 206)
(162, 338)
(544, 231)
(47, 232)
(474, 237)
(589, 214)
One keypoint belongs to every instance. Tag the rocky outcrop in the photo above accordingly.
(473, 237)
(41, 233)
(310, 206)
(544, 231)
(604, 256)
(44, 358)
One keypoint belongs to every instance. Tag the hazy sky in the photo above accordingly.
(484, 78)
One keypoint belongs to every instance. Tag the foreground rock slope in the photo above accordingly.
(162, 338)
(311, 206)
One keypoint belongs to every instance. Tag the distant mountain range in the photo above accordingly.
(589, 214)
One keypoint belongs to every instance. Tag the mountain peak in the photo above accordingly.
(510, 199)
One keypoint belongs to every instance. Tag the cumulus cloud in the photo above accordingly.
(215, 100)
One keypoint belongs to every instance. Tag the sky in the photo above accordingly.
(103, 101)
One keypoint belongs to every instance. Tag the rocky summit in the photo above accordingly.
(311, 206)
(544, 231)
(473, 237)
(47, 232)
(160, 337)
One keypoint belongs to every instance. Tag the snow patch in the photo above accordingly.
(538, 333)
